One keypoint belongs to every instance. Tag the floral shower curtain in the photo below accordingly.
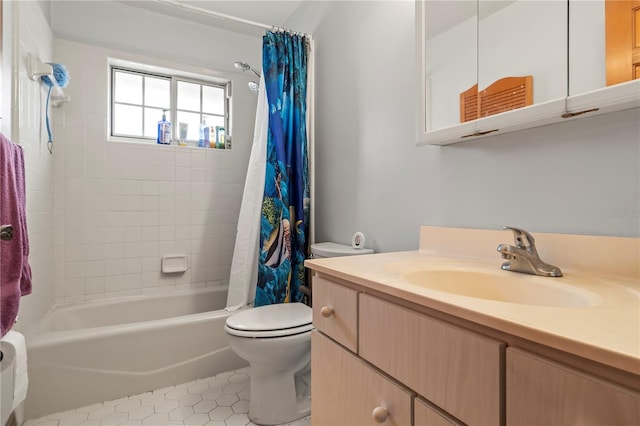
(284, 226)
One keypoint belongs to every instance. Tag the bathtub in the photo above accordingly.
(102, 350)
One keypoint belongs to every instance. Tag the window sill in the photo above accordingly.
(150, 143)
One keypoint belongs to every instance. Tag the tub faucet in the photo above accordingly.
(523, 257)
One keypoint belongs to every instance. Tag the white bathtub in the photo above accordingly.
(103, 350)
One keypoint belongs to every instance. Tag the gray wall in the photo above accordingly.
(579, 177)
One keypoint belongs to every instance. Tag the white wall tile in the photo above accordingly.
(73, 287)
(124, 205)
(183, 174)
(183, 158)
(113, 267)
(150, 188)
(132, 249)
(95, 285)
(74, 252)
(95, 268)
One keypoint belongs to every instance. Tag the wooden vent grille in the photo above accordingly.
(469, 104)
(503, 95)
(506, 94)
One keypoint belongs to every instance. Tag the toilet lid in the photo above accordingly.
(280, 317)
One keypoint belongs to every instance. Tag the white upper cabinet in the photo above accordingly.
(604, 56)
(450, 60)
(490, 67)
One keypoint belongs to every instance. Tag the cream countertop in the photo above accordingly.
(605, 269)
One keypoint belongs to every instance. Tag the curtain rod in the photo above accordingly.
(219, 15)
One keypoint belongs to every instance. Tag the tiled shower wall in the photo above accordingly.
(35, 38)
(119, 207)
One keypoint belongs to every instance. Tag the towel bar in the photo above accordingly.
(6, 232)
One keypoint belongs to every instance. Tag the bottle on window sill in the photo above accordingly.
(164, 129)
(202, 142)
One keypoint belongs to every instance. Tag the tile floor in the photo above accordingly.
(222, 400)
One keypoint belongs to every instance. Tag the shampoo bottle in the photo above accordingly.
(202, 142)
(164, 129)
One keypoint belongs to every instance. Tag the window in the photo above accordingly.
(139, 98)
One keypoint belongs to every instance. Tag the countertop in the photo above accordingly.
(607, 332)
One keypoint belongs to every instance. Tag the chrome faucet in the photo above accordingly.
(523, 257)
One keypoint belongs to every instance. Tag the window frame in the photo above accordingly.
(173, 76)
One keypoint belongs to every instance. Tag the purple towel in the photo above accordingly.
(15, 272)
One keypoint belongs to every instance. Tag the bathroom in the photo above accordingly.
(578, 177)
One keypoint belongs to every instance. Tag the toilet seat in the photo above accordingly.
(285, 319)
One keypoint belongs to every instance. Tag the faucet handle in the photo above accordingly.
(522, 238)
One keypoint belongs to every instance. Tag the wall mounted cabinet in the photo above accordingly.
(560, 44)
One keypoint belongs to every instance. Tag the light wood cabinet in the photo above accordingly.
(374, 351)
(456, 369)
(335, 312)
(426, 415)
(368, 353)
(544, 392)
(346, 391)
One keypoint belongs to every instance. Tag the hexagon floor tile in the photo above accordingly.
(221, 400)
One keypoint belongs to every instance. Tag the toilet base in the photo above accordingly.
(271, 401)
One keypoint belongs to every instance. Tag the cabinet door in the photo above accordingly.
(456, 369)
(425, 415)
(346, 391)
(543, 392)
(335, 312)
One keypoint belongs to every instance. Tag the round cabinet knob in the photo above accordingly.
(380, 414)
(326, 311)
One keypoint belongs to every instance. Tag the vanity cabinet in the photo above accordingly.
(347, 391)
(335, 312)
(380, 359)
(457, 370)
(370, 354)
(544, 392)
(426, 415)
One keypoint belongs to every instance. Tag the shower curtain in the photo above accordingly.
(273, 226)
(284, 222)
(244, 264)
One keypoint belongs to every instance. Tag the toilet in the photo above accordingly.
(276, 342)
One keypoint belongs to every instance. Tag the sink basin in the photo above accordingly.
(508, 287)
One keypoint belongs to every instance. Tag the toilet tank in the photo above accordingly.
(328, 249)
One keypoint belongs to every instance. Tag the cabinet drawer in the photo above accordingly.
(335, 312)
(541, 391)
(425, 415)
(455, 369)
(346, 391)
